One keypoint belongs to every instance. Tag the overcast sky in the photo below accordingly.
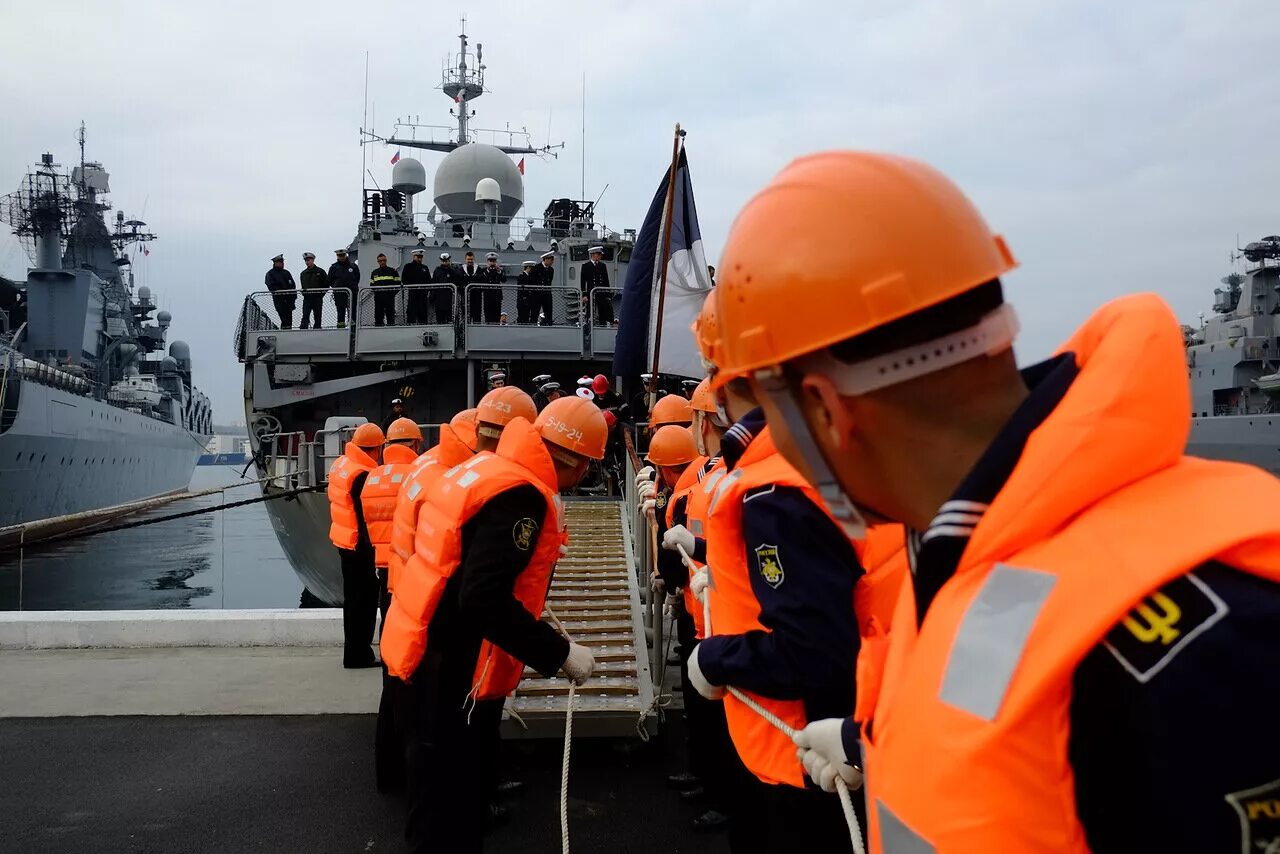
(1117, 146)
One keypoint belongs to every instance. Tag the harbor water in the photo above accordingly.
(221, 559)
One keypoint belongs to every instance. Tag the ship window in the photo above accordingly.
(1204, 415)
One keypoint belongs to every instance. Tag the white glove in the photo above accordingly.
(676, 537)
(579, 663)
(668, 606)
(647, 489)
(820, 750)
(650, 508)
(645, 474)
(698, 583)
(700, 683)
(656, 584)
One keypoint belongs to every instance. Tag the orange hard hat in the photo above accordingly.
(672, 409)
(672, 446)
(403, 428)
(466, 416)
(896, 236)
(501, 405)
(706, 331)
(704, 399)
(574, 424)
(368, 435)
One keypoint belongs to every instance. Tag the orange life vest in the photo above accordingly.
(344, 528)
(968, 746)
(378, 498)
(689, 486)
(767, 752)
(449, 452)
(455, 497)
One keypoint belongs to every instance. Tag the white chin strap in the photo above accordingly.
(989, 336)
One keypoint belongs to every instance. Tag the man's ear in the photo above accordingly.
(826, 408)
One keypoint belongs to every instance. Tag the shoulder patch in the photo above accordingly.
(660, 500)
(769, 565)
(1163, 624)
(1259, 811)
(522, 533)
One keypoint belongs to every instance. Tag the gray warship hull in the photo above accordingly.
(1252, 439)
(65, 453)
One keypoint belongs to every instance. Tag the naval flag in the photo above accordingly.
(688, 282)
(395, 158)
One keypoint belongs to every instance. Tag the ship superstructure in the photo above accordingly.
(440, 346)
(93, 412)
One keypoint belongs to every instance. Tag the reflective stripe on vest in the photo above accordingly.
(344, 528)
(968, 747)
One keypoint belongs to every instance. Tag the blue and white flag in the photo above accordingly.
(688, 283)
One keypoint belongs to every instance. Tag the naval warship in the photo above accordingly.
(305, 388)
(1233, 362)
(93, 412)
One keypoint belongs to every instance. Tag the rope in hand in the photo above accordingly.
(568, 736)
(842, 790)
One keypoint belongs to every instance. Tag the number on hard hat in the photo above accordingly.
(672, 409)
(671, 446)
(575, 425)
(403, 429)
(501, 405)
(368, 435)
(896, 237)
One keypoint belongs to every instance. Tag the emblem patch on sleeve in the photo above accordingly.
(1259, 811)
(661, 500)
(522, 533)
(1163, 624)
(769, 564)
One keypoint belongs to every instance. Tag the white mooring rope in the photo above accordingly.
(846, 800)
(568, 736)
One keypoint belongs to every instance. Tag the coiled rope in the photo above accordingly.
(842, 790)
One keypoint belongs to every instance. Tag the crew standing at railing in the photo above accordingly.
(596, 275)
(524, 294)
(344, 277)
(542, 278)
(491, 298)
(284, 293)
(314, 283)
(415, 298)
(385, 281)
(467, 275)
(446, 276)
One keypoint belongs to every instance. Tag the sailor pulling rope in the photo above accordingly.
(846, 800)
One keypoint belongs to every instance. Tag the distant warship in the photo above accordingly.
(302, 385)
(93, 413)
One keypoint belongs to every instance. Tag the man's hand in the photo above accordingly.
(700, 683)
(579, 663)
(656, 584)
(644, 475)
(678, 537)
(698, 583)
(820, 749)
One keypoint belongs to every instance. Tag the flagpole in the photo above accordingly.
(666, 252)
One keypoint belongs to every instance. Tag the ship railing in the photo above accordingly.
(531, 319)
(517, 229)
(271, 324)
(306, 462)
(406, 319)
(606, 305)
(642, 546)
(286, 460)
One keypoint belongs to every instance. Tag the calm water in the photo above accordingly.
(224, 559)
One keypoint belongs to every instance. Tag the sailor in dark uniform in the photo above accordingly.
(442, 298)
(491, 298)
(542, 278)
(524, 296)
(284, 292)
(596, 275)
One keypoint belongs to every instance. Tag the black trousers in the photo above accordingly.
(448, 774)
(388, 741)
(442, 303)
(384, 306)
(540, 301)
(341, 299)
(359, 605)
(285, 304)
(524, 306)
(312, 305)
(711, 753)
(604, 308)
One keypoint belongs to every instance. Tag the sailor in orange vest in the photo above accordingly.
(1086, 656)
(381, 492)
(496, 409)
(462, 629)
(349, 535)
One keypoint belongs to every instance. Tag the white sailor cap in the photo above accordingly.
(339, 252)
(549, 387)
(528, 262)
(417, 253)
(278, 258)
(497, 375)
(595, 249)
(542, 378)
(646, 377)
(585, 381)
(309, 255)
(546, 255)
(492, 256)
(445, 256)
(586, 394)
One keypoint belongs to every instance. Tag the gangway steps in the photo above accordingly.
(594, 596)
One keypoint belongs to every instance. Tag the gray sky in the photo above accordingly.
(1117, 146)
